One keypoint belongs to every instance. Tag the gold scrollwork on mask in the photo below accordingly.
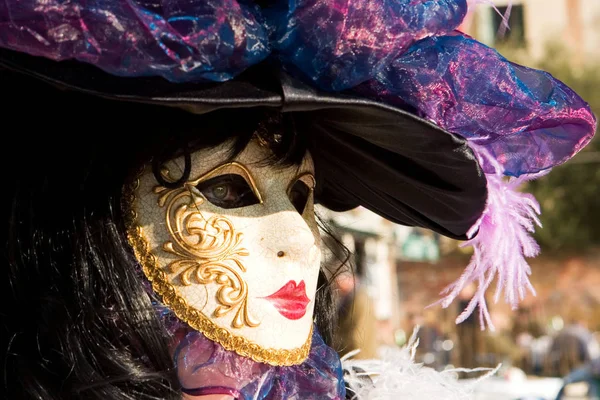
(163, 286)
(208, 251)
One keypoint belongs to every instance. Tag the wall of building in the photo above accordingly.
(574, 24)
(373, 242)
(567, 287)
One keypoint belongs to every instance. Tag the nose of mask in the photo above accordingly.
(290, 237)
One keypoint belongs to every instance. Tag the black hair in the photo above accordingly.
(77, 321)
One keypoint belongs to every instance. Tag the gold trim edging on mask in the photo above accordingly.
(190, 315)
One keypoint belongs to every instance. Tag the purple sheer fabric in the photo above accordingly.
(205, 367)
(527, 120)
(180, 40)
(401, 51)
(339, 44)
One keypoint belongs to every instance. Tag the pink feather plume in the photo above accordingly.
(504, 240)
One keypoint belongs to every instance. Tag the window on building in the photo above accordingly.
(515, 36)
(360, 257)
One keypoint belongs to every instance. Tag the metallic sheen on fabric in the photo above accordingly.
(404, 51)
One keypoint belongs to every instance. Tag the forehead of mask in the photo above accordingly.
(261, 286)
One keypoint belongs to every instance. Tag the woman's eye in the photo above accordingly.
(228, 191)
(299, 194)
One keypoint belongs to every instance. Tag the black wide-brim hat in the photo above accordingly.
(357, 77)
(366, 153)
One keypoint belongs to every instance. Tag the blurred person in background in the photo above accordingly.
(356, 327)
(499, 345)
(430, 337)
(526, 323)
(573, 346)
(583, 383)
(471, 341)
(532, 340)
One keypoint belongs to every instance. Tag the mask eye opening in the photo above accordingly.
(300, 191)
(228, 191)
(240, 187)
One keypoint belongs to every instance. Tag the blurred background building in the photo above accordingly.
(537, 24)
(402, 270)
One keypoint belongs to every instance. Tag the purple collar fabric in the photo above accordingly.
(205, 367)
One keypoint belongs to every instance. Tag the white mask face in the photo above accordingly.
(234, 251)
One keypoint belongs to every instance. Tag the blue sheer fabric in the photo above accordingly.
(404, 52)
(205, 367)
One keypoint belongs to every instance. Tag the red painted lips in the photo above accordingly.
(290, 300)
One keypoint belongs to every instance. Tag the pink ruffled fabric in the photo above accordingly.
(205, 367)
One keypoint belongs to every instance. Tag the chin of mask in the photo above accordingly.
(234, 251)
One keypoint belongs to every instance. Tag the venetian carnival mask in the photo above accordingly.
(234, 251)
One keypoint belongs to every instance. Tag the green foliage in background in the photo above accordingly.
(570, 194)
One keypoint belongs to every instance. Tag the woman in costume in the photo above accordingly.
(160, 238)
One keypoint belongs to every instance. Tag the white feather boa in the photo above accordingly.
(397, 376)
